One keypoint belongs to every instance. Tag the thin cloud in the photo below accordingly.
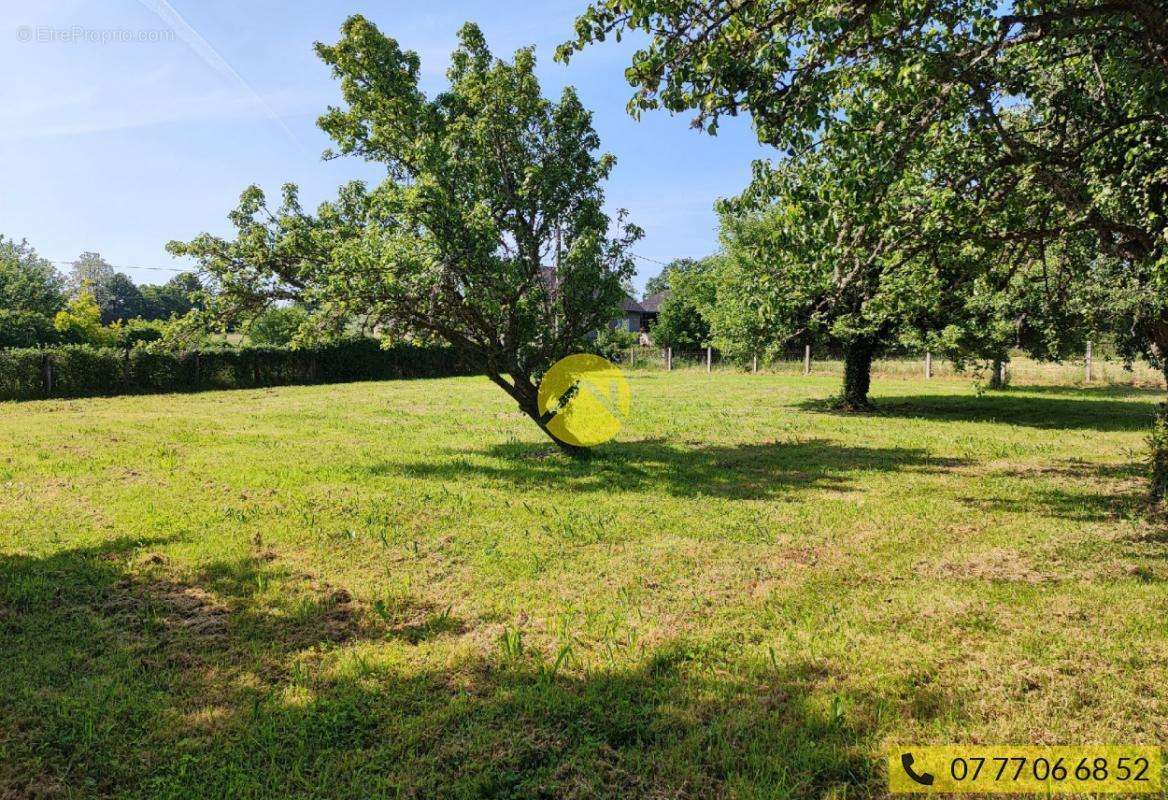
(82, 115)
(211, 57)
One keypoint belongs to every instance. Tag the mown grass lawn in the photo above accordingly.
(400, 590)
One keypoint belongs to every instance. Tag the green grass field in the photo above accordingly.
(400, 590)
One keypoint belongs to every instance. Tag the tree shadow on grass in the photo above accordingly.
(1074, 490)
(1092, 493)
(738, 471)
(107, 688)
(99, 655)
(1152, 393)
(1051, 411)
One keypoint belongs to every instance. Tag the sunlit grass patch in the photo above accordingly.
(402, 589)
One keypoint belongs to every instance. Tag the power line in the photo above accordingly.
(124, 267)
(646, 258)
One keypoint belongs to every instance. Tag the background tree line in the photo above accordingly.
(91, 303)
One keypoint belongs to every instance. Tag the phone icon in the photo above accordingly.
(924, 778)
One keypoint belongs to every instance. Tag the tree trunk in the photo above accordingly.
(526, 394)
(996, 381)
(1158, 447)
(575, 451)
(1158, 451)
(857, 375)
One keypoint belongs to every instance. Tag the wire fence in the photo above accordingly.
(1091, 369)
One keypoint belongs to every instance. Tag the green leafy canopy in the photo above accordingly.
(965, 149)
(488, 231)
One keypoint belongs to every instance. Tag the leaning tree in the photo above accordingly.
(488, 232)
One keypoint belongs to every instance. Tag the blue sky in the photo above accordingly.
(127, 123)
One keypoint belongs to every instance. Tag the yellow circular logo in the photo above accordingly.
(582, 400)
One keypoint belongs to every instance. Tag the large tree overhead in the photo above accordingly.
(1034, 121)
(1063, 101)
(488, 231)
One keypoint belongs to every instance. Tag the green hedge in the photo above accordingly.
(81, 371)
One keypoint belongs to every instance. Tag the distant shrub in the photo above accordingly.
(614, 343)
(82, 371)
(138, 332)
(23, 374)
(26, 329)
(276, 327)
(80, 323)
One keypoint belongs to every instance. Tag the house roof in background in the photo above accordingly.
(652, 303)
(629, 304)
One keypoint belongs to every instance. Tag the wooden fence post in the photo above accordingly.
(807, 359)
(754, 365)
(669, 359)
(1002, 372)
(709, 359)
(48, 375)
(928, 364)
(1087, 363)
